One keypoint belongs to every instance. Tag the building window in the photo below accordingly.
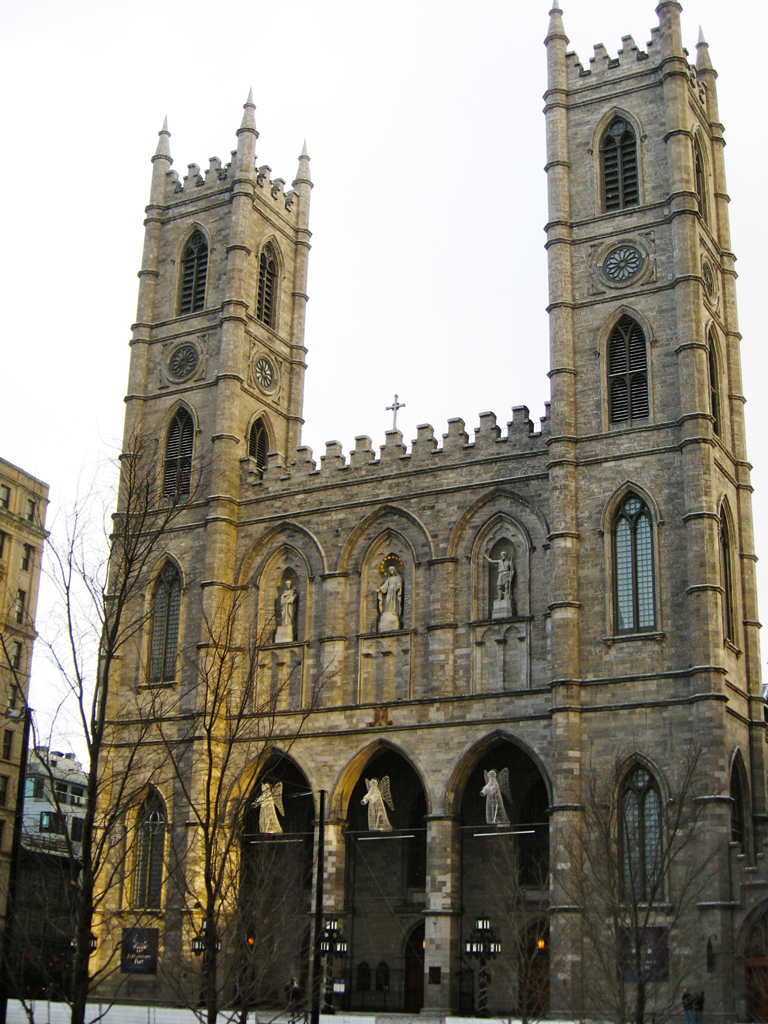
(26, 558)
(737, 807)
(641, 853)
(4, 784)
(2, 832)
(194, 264)
(178, 457)
(38, 790)
(13, 696)
(5, 496)
(2, 542)
(258, 443)
(53, 823)
(76, 830)
(166, 612)
(634, 596)
(698, 166)
(363, 977)
(726, 579)
(150, 852)
(16, 656)
(31, 508)
(618, 160)
(21, 600)
(266, 303)
(627, 373)
(382, 977)
(7, 745)
(714, 381)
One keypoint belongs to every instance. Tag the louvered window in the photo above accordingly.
(701, 196)
(258, 443)
(627, 372)
(634, 591)
(178, 457)
(266, 305)
(166, 612)
(194, 271)
(150, 854)
(737, 806)
(641, 837)
(618, 152)
(726, 578)
(714, 390)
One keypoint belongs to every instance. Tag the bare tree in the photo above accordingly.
(99, 569)
(637, 866)
(238, 868)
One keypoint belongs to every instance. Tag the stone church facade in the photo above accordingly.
(481, 621)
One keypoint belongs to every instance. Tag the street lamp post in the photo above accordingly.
(331, 945)
(483, 946)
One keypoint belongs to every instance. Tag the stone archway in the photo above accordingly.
(275, 884)
(386, 880)
(505, 872)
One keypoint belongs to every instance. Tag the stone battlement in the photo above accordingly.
(216, 174)
(626, 60)
(488, 440)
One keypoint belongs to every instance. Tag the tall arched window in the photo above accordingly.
(166, 612)
(266, 305)
(363, 977)
(714, 384)
(698, 168)
(627, 373)
(194, 271)
(634, 596)
(726, 578)
(150, 854)
(618, 159)
(258, 444)
(738, 827)
(178, 457)
(641, 838)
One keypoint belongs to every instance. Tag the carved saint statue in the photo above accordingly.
(378, 793)
(495, 789)
(286, 632)
(390, 599)
(269, 802)
(505, 565)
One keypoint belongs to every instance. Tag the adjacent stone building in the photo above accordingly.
(460, 633)
(23, 504)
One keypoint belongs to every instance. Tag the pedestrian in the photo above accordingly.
(698, 1007)
(688, 1005)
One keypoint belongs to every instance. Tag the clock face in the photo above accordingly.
(183, 362)
(264, 372)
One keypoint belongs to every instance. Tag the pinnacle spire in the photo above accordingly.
(163, 146)
(249, 121)
(302, 174)
(703, 61)
(556, 28)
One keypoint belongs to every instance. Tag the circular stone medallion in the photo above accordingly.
(623, 263)
(264, 372)
(183, 362)
(709, 280)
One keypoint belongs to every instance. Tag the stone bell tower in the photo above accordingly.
(220, 323)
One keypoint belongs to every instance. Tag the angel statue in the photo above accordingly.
(269, 802)
(378, 793)
(495, 789)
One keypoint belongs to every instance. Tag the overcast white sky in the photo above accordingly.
(423, 120)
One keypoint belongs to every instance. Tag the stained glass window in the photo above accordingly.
(635, 600)
(641, 835)
(150, 853)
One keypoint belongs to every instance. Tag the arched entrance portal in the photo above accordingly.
(756, 966)
(505, 877)
(275, 885)
(386, 886)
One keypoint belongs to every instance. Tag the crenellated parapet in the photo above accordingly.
(219, 176)
(489, 441)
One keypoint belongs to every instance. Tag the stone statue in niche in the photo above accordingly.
(269, 802)
(495, 789)
(378, 793)
(390, 600)
(504, 602)
(286, 631)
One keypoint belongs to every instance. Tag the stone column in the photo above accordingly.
(442, 915)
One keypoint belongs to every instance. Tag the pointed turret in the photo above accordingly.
(161, 164)
(703, 63)
(707, 76)
(302, 174)
(556, 44)
(163, 146)
(246, 137)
